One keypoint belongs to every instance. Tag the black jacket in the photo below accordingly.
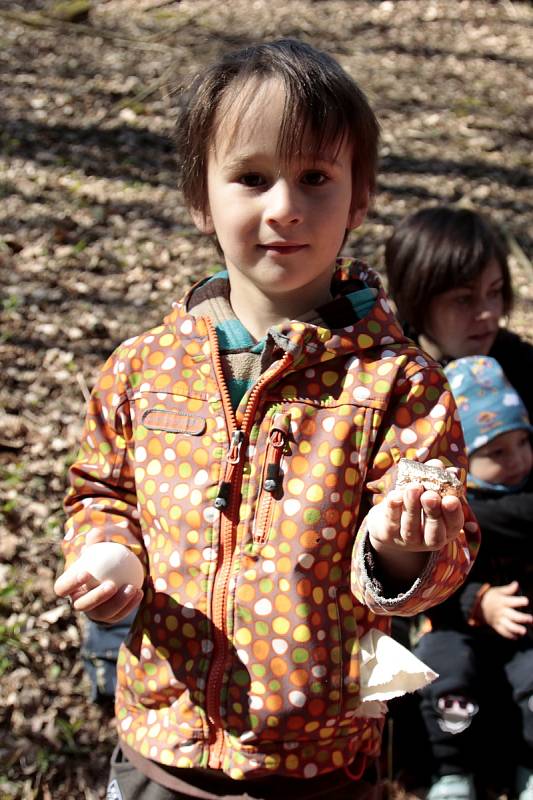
(505, 555)
(506, 520)
(515, 356)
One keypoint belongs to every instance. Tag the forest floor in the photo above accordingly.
(95, 244)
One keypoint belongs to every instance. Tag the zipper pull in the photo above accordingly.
(234, 450)
(278, 436)
(232, 458)
(222, 498)
(271, 481)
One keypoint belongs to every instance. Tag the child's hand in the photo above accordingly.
(102, 601)
(499, 609)
(411, 522)
(415, 519)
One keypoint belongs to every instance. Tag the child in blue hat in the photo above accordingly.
(481, 642)
(495, 424)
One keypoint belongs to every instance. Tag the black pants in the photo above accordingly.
(405, 739)
(495, 675)
(128, 783)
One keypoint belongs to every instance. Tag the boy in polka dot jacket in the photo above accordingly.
(245, 450)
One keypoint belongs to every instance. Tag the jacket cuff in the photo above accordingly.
(474, 617)
(379, 590)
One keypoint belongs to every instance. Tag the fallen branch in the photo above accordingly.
(33, 20)
(161, 4)
(140, 96)
(165, 33)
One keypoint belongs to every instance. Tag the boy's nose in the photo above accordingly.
(283, 207)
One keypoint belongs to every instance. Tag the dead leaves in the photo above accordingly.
(95, 245)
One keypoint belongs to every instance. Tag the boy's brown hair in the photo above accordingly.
(321, 101)
(437, 249)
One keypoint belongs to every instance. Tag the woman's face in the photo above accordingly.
(464, 321)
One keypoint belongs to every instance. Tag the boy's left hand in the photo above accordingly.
(415, 520)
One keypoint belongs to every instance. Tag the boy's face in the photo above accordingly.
(507, 459)
(464, 321)
(280, 225)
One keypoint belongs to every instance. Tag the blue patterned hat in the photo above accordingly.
(488, 404)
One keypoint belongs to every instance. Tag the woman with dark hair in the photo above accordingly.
(449, 277)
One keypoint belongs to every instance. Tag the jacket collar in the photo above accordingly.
(310, 343)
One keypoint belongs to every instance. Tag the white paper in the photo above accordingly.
(388, 669)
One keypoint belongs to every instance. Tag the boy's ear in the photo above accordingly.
(202, 220)
(359, 210)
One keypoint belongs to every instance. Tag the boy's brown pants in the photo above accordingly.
(126, 782)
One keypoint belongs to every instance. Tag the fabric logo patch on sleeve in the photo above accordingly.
(113, 791)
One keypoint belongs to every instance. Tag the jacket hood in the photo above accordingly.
(309, 343)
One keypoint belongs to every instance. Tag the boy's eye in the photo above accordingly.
(314, 178)
(252, 180)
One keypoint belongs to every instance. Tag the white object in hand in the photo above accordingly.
(112, 561)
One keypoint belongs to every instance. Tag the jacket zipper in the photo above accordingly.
(271, 478)
(229, 507)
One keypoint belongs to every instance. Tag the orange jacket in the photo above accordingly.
(244, 653)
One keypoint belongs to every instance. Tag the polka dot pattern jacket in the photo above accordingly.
(244, 655)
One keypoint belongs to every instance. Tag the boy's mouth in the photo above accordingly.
(283, 248)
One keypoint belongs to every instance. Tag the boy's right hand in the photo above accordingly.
(102, 601)
(500, 609)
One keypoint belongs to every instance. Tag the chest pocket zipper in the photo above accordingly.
(271, 479)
